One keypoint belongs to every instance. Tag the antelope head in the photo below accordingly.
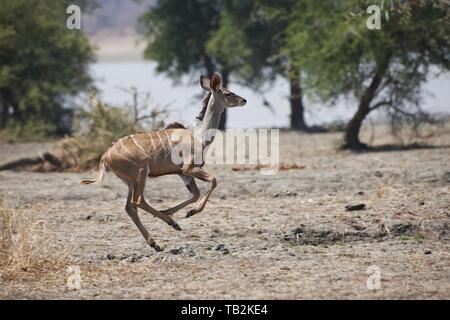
(222, 96)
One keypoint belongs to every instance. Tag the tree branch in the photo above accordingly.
(380, 104)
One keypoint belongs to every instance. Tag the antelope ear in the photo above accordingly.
(205, 83)
(216, 81)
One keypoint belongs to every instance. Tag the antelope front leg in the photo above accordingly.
(193, 189)
(201, 174)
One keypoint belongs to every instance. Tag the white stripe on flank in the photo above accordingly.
(160, 139)
(142, 149)
(151, 140)
(123, 146)
(168, 139)
(126, 159)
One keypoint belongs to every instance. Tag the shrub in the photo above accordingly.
(27, 248)
(100, 125)
(30, 131)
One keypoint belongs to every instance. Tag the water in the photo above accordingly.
(184, 99)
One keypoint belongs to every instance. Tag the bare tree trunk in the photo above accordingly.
(3, 115)
(209, 67)
(46, 156)
(351, 136)
(223, 117)
(296, 100)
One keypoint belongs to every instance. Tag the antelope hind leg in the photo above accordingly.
(139, 201)
(132, 212)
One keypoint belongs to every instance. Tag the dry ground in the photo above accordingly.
(281, 236)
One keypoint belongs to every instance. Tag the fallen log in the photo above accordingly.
(29, 161)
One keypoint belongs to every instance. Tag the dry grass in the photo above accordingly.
(28, 251)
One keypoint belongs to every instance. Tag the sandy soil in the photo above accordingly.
(282, 236)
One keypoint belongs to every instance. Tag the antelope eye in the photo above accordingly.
(227, 93)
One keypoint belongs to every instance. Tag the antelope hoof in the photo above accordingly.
(175, 225)
(156, 247)
(191, 213)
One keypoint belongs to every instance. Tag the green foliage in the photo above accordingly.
(29, 131)
(225, 36)
(42, 63)
(245, 42)
(177, 33)
(341, 55)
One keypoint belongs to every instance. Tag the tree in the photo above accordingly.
(42, 63)
(253, 32)
(228, 36)
(178, 32)
(277, 14)
(377, 68)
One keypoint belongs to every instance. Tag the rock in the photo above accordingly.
(378, 174)
(446, 177)
(360, 193)
(191, 253)
(358, 227)
(110, 256)
(421, 203)
(427, 252)
(222, 248)
(354, 207)
(176, 251)
(106, 218)
(276, 195)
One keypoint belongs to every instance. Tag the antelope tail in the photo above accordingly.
(99, 177)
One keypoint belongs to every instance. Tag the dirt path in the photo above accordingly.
(282, 236)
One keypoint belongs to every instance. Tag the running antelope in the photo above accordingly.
(149, 154)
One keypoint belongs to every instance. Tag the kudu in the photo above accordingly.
(149, 154)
